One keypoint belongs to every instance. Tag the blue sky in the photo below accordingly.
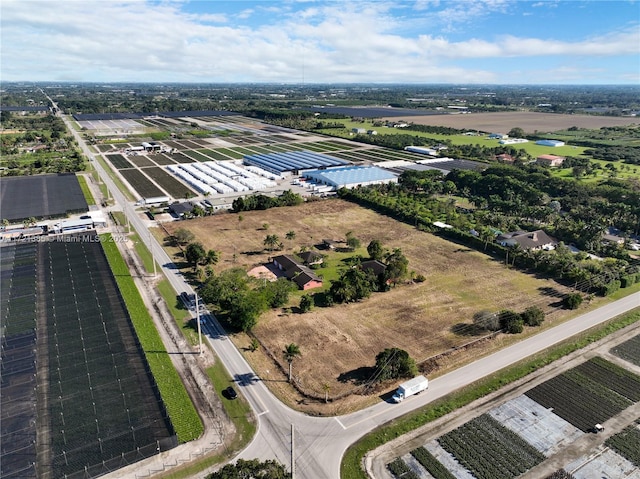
(291, 41)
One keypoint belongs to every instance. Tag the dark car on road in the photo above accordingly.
(230, 393)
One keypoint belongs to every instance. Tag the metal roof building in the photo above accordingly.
(279, 163)
(351, 176)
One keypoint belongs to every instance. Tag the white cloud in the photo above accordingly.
(324, 42)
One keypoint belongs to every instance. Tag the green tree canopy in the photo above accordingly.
(510, 321)
(271, 242)
(516, 132)
(393, 363)
(194, 253)
(397, 266)
(352, 285)
(375, 250)
(533, 316)
(252, 469)
(276, 293)
(306, 303)
(183, 236)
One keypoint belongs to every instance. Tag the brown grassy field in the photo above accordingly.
(530, 122)
(339, 344)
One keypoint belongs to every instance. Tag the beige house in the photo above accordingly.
(550, 160)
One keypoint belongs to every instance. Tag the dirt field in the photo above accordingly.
(530, 122)
(339, 344)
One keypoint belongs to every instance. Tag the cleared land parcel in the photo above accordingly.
(339, 344)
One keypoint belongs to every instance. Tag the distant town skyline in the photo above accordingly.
(289, 41)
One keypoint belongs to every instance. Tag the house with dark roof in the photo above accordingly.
(295, 271)
(373, 265)
(311, 257)
(528, 240)
(180, 209)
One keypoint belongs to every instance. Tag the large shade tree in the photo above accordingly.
(393, 363)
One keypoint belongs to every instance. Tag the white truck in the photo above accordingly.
(411, 387)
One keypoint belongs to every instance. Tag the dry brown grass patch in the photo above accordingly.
(341, 342)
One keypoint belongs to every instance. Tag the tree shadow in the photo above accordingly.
(358, 376)
(246, 379)
(552, 292)
(467, 329)
(252, 253)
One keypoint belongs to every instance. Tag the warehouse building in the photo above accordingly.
(292, 162)
(552, 143)
(351, 176)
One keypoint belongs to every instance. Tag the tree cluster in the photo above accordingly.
(356, 283)
(241, 299)
(509, 321)
(263, 202)
(252, 469)
(394, 363)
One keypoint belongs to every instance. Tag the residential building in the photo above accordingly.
(528, 240)
(550, 160)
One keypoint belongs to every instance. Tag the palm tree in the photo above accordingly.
(271, 241)
(291, 351)
(291, 235)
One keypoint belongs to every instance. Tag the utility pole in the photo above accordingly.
(153, 258)
(293, 461)
(199, 327)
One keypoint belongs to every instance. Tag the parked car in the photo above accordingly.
(230, 393)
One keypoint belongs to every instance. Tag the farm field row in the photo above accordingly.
(96, 400)
(146, 175)
(460, 139)
(521, 433)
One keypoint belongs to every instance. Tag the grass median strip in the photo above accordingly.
(181, 410)
(85, 190)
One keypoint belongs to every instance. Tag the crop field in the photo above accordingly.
(119, 161)
(181, 158)
(589, 394)
(18, 412)
(105, 405)
(96, 403)
(168, 182)
(340, 343)
(140, 161)
(489, 450)
(161, 159)
(140, 183)
(629, 350)
(502, 122)
(546, 421)
(627, 443)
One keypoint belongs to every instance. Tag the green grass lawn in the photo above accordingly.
(238, 411)
(182, 412)
(85, 190)
(119, 184)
